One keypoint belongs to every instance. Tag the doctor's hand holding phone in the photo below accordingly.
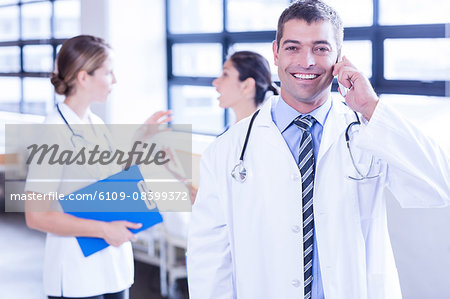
(355, 88)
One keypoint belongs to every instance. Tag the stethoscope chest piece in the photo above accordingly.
(239, 173)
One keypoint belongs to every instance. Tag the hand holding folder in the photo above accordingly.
(127, 188)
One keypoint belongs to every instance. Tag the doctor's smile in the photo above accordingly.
(305, 76)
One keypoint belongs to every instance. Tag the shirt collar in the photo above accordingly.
(283, 114)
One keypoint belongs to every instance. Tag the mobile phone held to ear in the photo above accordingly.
(342, 89)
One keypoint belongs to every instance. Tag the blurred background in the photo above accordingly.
(167, 52)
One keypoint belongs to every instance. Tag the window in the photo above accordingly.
(253, 15)
(265, 49)
(404, 59)
(413, 12)
(386, 45)
(187, 16)
(30, 35)
(197, 60)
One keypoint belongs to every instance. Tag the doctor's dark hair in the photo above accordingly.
(253, 65)
(311, 11)
(80, 53)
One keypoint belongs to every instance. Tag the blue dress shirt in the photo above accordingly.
(283, 115)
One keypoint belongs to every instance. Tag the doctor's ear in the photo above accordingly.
(275, 52)
(82, 77)
(248, 85)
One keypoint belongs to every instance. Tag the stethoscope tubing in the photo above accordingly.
(75, 134)
(242, 171)
(248, 135)
(65, 120)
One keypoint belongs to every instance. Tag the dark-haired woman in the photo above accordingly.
(244, 83)
(84, 75)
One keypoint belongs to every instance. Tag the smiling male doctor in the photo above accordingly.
(299, 226)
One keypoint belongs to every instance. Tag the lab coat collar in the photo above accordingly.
(284, 114)
(71, 116)
(78, 125)
(338, 119)
(265, 115)
(264, 118)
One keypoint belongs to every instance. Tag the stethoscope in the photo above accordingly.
(75, 135)
(239, 172)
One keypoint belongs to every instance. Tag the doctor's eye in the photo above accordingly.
(321, 50)
(291, 48)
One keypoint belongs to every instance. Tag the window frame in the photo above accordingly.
(21, 43)
(375, 33)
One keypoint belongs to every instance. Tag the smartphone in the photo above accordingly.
(343, 90)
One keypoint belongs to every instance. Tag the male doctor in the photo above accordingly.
(308, 219)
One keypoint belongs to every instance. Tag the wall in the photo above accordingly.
(136, 31)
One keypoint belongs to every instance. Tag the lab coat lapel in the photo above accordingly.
(270, 134)
(334, 128)
(264, 118)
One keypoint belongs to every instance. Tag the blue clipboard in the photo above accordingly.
(128, 185)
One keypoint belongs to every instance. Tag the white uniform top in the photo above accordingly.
(66, 271)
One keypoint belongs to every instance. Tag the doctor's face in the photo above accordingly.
(228, 86)
(102, 81)
(305, 59)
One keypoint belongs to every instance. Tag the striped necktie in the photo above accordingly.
(306, 166)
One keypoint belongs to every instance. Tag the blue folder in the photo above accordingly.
(127, 187)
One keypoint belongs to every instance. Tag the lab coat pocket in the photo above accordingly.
(366, 167)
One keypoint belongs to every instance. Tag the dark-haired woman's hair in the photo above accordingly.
(83, 52)
(253, 65)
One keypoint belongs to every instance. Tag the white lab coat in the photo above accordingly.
(245, 239)
(66, 271)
